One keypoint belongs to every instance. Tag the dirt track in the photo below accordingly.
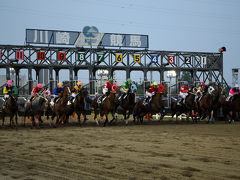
(150, 151)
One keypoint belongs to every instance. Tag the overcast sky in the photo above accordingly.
(183, 25)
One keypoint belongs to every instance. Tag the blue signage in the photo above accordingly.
(154, 58)
(90, 36)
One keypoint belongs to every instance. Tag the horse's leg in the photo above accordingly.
(113, 117)
(3, 119)
(84, 117)
(79, 120)
(106, 120)
(124, 114)
(11, 119)
(16, 120)
(129, 112)
(212, 114)
(48, 119)
(95, 116)
(57, 120)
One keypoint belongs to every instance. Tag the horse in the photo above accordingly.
(60, 106)
(209, 104)
(108, 106)
(10, 108)
(79, 105)
(230, 109)
(127, 103)
(188, 108)
(155, 106)
(36, 109)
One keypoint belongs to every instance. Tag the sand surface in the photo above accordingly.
(150, 151)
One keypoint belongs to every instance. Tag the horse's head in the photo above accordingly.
(66, 91)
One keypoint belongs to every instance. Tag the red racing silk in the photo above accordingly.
(161, 88)
(114, 88)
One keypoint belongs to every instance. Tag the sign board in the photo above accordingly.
(19, 55)
(88, 37)
(100, 57)
(154, 58)
(203, 60)
(81, 56)
(119, 58)
(61, 56)
(41, 55)
(171, 59)
(187, 60)
(137, 58)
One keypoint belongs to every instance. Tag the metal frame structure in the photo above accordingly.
(211, 71)
(235, 74)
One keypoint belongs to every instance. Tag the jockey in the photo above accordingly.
(125, 88)
(161, 88)
(233, 91)
(47, 92)
(183, 92)
(35, 91)
(151, 91)
(200, 91)
(201, 87)
(108, 86)
(75, 90)
(58, 92)
(106, 90)
(133, 87)
(7, 89)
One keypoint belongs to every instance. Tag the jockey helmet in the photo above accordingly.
(9, 82)
(236, 86)
(129, 80)
(59, 84)
(111, 80)
(202, 84)
(39, 85)
(155, 83)
(186, 83)
(79, 83)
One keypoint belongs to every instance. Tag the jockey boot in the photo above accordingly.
(147, 100)
(71, 99)
(4, 104)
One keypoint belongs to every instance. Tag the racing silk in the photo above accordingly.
(76, 89)
(108, 85)
(184, 89)
(152, 89)
(233, 91)
(36, 90)
(133, 87)
(125, 86)
(47, 92)
(201, 88)
(57, 90)
(114, 88)
(7, 90)
(15, 91)
(161, 88)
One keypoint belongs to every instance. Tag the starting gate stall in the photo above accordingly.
(91, 54)
(167, 98)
